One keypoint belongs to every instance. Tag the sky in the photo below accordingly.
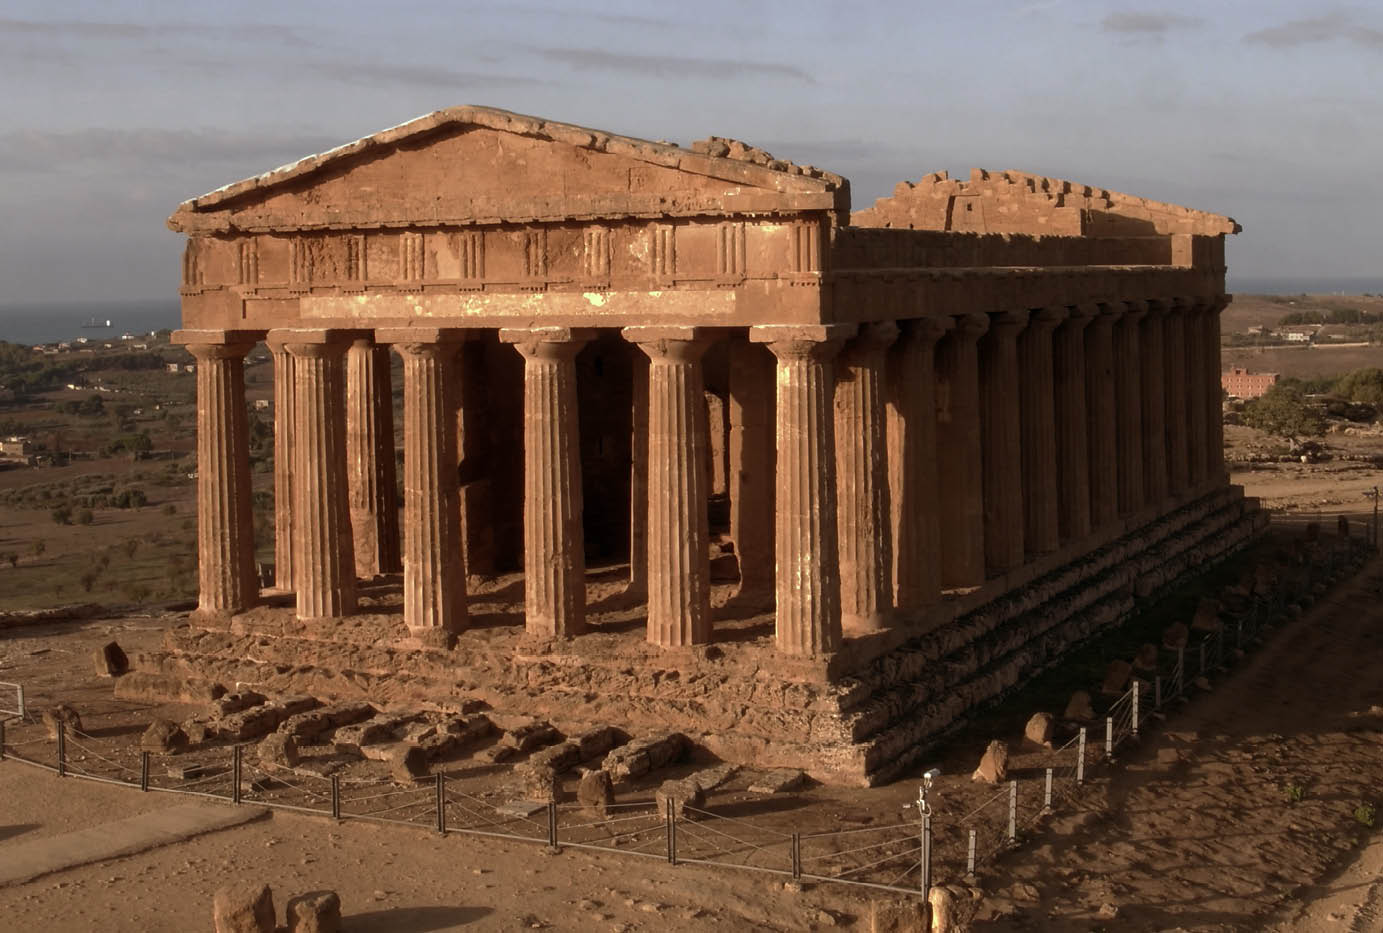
(113, 113)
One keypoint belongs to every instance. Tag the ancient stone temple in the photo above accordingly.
(684, 442)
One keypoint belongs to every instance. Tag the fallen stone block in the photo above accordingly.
(164, 737)
(531, 736)
(539, 783)
(599, 740)
(158, 688)
(233, 703)
(294, 705)
(64, 714)
(644, 755)
(1039, 729)
(244, 908)
(709, 779)
(682, 794)
(596, 792)
(111, 660)
(556, 758)
(1146, 659)
(310, 725)
(1079, 708)
(1176, 636)
(351, 739)
(782, 781)
(1116, 677)
(993, 767)
(1207, 617)
(186, 772)
(245, 726)
(197, 731)
(409, 764)
(315, 912)
(278, 750)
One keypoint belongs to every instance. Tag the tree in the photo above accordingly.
(62, 515)
(1284, 412)
(1362, 385)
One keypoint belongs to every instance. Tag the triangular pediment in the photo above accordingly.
(475, 165)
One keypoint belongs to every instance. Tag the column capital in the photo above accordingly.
(679, 344)
(416, 336)
(800, 342)
(971, 326)
(1081, 314)
(1219, 303)
(1110, 311)
(296, 339)
(1134, 311)
(1158, 307)
(1007, 323)
(926, 330)
(218, 351)
(1046, 318)
(213, 338)
(547, 343)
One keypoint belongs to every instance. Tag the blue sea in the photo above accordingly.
(52, 322)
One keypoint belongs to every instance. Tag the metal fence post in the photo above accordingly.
(796, 856)
(1135, 708)
(1047, 792)
(62, 749)
(442, 804)
(552, 824)
(1080, 758)
(925, 881)
(20, 689)
(1013, 811)
(335, 797)
(235, 774)
(670, 822)
(970, 855)
(144, 771)
(1109, 737)
(2, 740)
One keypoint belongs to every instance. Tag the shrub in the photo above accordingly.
(85, 517)
(1364, 815)
(62, 515)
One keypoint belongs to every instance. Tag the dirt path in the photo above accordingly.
(1228, 816)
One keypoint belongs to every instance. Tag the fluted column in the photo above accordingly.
(1072, 424)
(912, 463)
(679, 576)
(1196, 405)
(285, 404)
(434, 571)
(370, 459)
(226, 577)
(1128, 385)
(1174, 366)
(1102, 411)
(959, 453)
(1037, 409)
(808, 569)
(638, 481)
(752, 465)
(1001, 440)
(862, 516)
(1214, 404)
(1154, 405)
(325, 555)
(554, 552)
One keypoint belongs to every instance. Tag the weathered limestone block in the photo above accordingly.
(409, 765)
(164, 737)
(993, 767)
(244, 908)
(315, 912)
(539, 783)
(197, 731)
(682, 794)
(600, 740)
(1175, 636)
(155, 687)
(644, 755)
(248, 724)
(530, 736)
(235, 703)
(709, 779)
(309, 725)
(1039, 729)
(556, 758)
(278, 749)
(455, 734)
(350, 739)
(782, 781)
(1116, 677)
(110, 660)
(64, 714)
(1146, 658)
(596, 791)
(1207, 617)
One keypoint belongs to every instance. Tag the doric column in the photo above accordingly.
(325, 556)
(912, 463)
(1128, 394)
(808, 569)
(862, 514)
(1154, 405)
(1072, 424)
(370, 459)
(1037, 409)
(1102, 410)
(679, 576)
(638, 480)
(960, 453)
(225, 522)
(752, 464)
(1214, 401)
(1196, 404)
(554, 552)
(434, 571)
(285, 404)
(1001, 440)
(1174, 367)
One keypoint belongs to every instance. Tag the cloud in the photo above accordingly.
(671, 66)
(83, 29)
(116, 149)
(1326, 28)
(416, 75)
(1146, 23)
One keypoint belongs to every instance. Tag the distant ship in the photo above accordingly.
(97, 323)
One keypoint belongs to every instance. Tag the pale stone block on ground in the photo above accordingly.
(781, 781)
(1039, 729)
(244, 908)
(163, 736)
(993, 767)
(1079, 708)
(315, 912)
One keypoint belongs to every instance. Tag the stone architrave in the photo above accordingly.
(1128, 386)
(1214, 404)
(1001, 433)
(1102, 412)
(1154, 406)
(1037, 410)
(862, 512)
(371, 487)
(752, 457)
(638, 480)
(1072, 423)
(912, 463)
(285, 404)
(679, 577)
(434, 571)
(1174, 382)
(960, 453)
(325, 556)
(554, 554)
(1196, 404)
(227, 582)
(808, 570)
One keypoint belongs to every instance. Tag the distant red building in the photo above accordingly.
(1241, 383)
